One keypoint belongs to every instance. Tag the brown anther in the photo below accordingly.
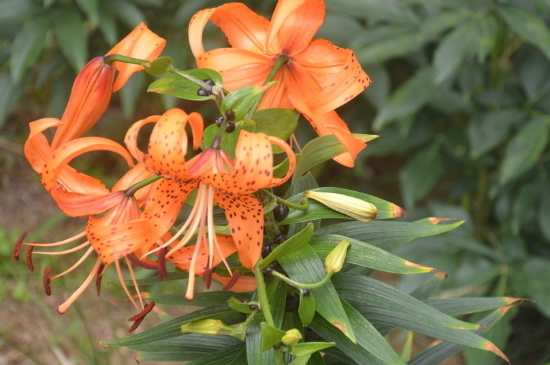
(145, 265)
(234, 278)
(28, 258)
(163, 272)
(138, 318)
(207, 277)
(99, 276)
(46, 281)
(17, 248)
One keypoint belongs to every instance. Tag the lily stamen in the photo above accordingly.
(63, 307)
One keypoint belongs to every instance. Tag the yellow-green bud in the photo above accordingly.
(335, 259)
(204, 327)
(292, 337)
(352, 207)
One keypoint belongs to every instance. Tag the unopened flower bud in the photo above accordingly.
(204, 327)
(292, 337)
(335, 259)
(352, 207)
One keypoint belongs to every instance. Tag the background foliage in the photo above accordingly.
(461, 97)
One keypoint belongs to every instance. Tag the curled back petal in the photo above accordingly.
(238, 67)
(37, 149)
(89, 98)
(140, 43)
(133, 176)
(81, 205)
(182, 257)
(243, 28)
(244, 284)
(293, 25)
(291, 161)
(164, 204)
(131, 138)
(246, 222)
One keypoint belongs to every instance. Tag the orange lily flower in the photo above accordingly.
(93, 86)
(316, 78)
(219, 179)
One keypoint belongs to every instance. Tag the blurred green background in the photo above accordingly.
(460, 99)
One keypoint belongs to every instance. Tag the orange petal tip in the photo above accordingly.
(491, 347)
(436, 220)
(397, 211)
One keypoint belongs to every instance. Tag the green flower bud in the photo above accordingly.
(292, 337)
(204, 326)
(352, 207)
(335, 259)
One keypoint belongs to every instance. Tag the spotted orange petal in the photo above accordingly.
(37, 148)
(182, 257)
(246, 221)
(133, 176)
(293, 25)
(243, 28)
(244, 284)
(275, 96)
(164, 204)
(238, 67)
(140, 43)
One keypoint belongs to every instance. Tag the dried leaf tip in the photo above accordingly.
(491, 347)
(397, 211)
(436, 220)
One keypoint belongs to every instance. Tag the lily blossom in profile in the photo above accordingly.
(315, 76)
(218, 179)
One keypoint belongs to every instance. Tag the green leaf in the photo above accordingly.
(543, 214)
(390, 47)
(303, 360)
(127, 12)
(528, 25)
(18, 9)
(172, 328)
(229, 139)
(71, 38)
(194, 345)
(11, 92)
(219, 357)
(438, 353)
(254, 344)
(386, 234)
(452, 50)
(317, 210)
(130, 94)
(305, 266)
(183, 88)
(460, 306)
(291, 245)
(27, 46)
(485, 35)
(321, 149)
(374, 293)
(306, 309)
(489, 130)
(277, 122)
(201, 299)
(158, 67)
(421, 174)
(91, 9)
(407, 99)
(531, 281)
(524, 149)
(240, 101)
(271, 336)
(439, 22)
(107, 25)
(363, 254)
(534, 78)
(239, 306)
(308, 348)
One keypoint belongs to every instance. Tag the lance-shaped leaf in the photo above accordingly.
(289, 246)
(172, 328)
(438, 353)
(305, 266)
(158, 67)
(241, 307)
(194, 345)
(219, 357)
(308, 348)
(183, 88)
(386, 234)
(277, 122)
(306, 309)
(254, 343)
(199, 300)
(375, 293)
(241, 100)
(271, 336)
(364, 254)
(460, 306)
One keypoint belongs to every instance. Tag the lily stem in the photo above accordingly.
(262, 297)
(304, 202)
(328, 275)
(132, 189)
(279, 62)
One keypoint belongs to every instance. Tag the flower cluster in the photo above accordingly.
(137, 222)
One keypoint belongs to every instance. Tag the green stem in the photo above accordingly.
(328, 275)
(279, 62)
(132, 189)
(191, 78)
(262, 297)
(304, 202)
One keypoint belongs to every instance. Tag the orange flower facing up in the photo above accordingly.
(117, 234)
(218, 179)
(316, 76)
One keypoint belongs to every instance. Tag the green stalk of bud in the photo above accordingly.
(335, 259)
(352, 207)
